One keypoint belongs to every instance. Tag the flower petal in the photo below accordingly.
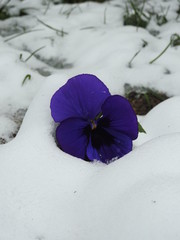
(72, 136)
(119, 117)
(82, 96)
(109, 148)
(91, 152)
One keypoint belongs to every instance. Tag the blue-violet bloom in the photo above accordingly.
(94, 125)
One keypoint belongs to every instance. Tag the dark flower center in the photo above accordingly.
(99, 136)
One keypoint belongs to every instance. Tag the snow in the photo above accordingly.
(157, 122)
(47, 194)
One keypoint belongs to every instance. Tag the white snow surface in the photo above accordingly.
(46, 194)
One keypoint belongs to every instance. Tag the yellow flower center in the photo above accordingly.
(93, 124)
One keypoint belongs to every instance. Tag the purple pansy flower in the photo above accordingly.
(94, 125)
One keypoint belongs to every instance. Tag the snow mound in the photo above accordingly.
(48, 194)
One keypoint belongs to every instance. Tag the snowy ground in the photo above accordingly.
(47, 194)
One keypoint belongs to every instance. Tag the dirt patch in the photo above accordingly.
(143, 99)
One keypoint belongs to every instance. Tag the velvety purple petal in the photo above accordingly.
(91, 152)
(108, 151)
(72, 137)
(119, 117)
(82, 96)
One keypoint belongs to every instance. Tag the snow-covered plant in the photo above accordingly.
(4, 10)
(135, 14)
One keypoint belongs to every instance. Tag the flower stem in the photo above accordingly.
(130, 62)
(161, 53)
(174, 41)
(98, 116)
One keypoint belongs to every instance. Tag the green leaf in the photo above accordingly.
(140, 128)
